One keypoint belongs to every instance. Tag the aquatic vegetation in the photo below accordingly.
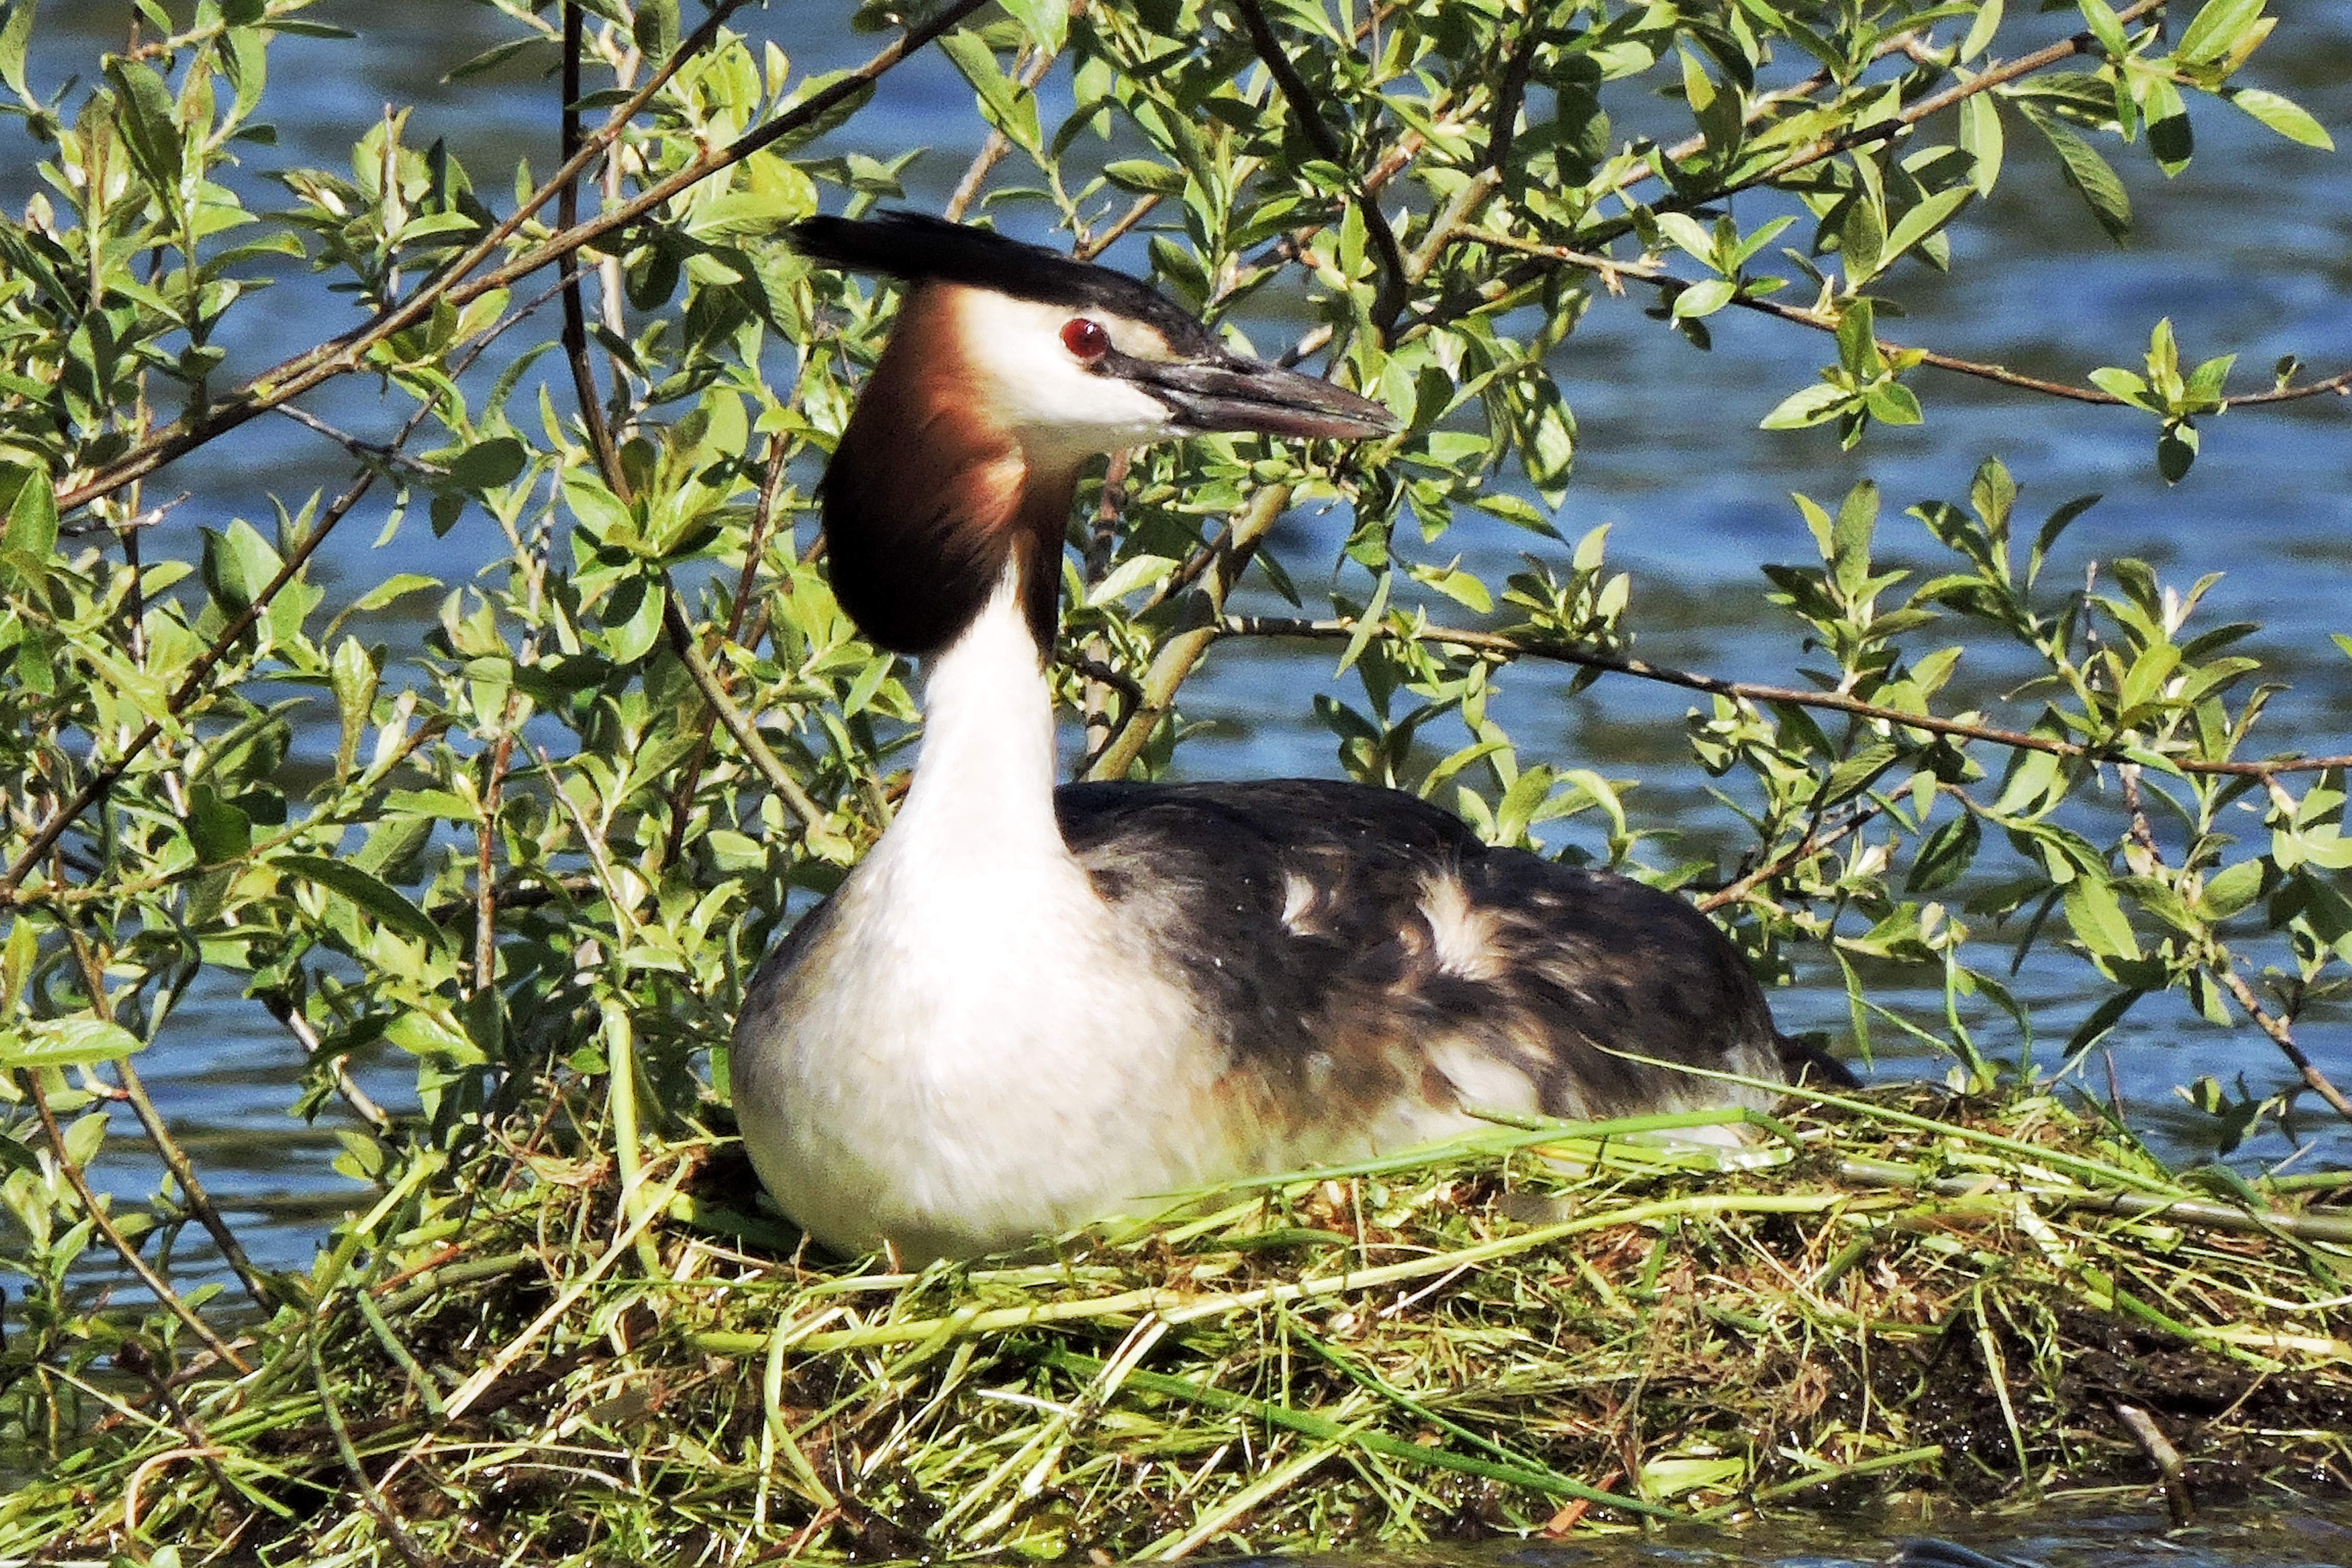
(1531, 1329)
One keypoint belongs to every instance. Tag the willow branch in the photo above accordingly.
(105, 1226)
(2280, 1037)
(192, 1194)
(349, 352)
(1601, 233)
(764, 513)
(1886, 129)
(1804, 850)
(575, 309)
(103, 776)
(1506, 646)
(1395, 283)
(1223, 563)
(747, 735)
(230, 635)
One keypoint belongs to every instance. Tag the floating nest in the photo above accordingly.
(1546, 1329)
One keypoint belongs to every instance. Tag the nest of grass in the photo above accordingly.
(536, 1359)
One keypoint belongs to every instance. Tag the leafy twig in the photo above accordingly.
(105, 1226)
(2280, 1037)
(1224, 561)
(763, 511)
(994, 146)
(1805, 848)
(780, 778)
(1395, 283)
(575, 312)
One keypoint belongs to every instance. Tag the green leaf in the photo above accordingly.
(602, 513)
(1464, 589)
(497, 55)
(2215, 30)
(654, 29)
(1687, 235)
(1047, 22)
(2097, 918)
(1004, 102)
(633, 620)
(1135, 571)
(1981, 32)
(1704, 298)
(485, 464)
(1981, 139)
(1857, 341)
(1926, 218)
(15, 33)
(1892, 403)
(1144, 177)
(372, 896)
(2088, 172)
(2169, 138)
(2106, 28)
(33, 517)
(1808, 406)
(2283, 115)
(2104, 1018)
(397, 586)
(2126, 384)
(2176, 449)
(66, 1042)
(1854, 774)
(422, 1034)
(1862, 238)
(2205, 382)
(1944, 855)
(147, 125)
(2163, 901)
(218, 830)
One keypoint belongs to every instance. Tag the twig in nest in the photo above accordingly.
(2164, 1456)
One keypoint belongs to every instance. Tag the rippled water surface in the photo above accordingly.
(2250, 250)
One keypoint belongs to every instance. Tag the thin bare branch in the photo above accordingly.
(2280, 1037)
(575, 309)
(1510, 646)
(104, 1224)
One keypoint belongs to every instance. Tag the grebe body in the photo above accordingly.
(1030, 1007)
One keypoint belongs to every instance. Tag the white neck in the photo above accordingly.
(985, 778)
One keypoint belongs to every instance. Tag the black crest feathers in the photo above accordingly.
(928, 250)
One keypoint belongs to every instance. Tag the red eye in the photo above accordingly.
(1085, 339)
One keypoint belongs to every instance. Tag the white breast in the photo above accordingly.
(967, 1054)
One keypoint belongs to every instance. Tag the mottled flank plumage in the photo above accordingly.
(1028, 1008)
(1394, 953)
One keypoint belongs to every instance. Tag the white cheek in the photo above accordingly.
(1065, 413)
(1074, 413)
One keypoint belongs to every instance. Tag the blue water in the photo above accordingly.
(2250, 250)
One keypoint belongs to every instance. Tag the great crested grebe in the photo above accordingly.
(1029, 1007)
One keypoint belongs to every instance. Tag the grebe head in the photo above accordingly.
(1010, 365)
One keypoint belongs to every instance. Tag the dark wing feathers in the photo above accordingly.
(1331, 921)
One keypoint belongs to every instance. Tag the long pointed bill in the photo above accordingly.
(1232, 394)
